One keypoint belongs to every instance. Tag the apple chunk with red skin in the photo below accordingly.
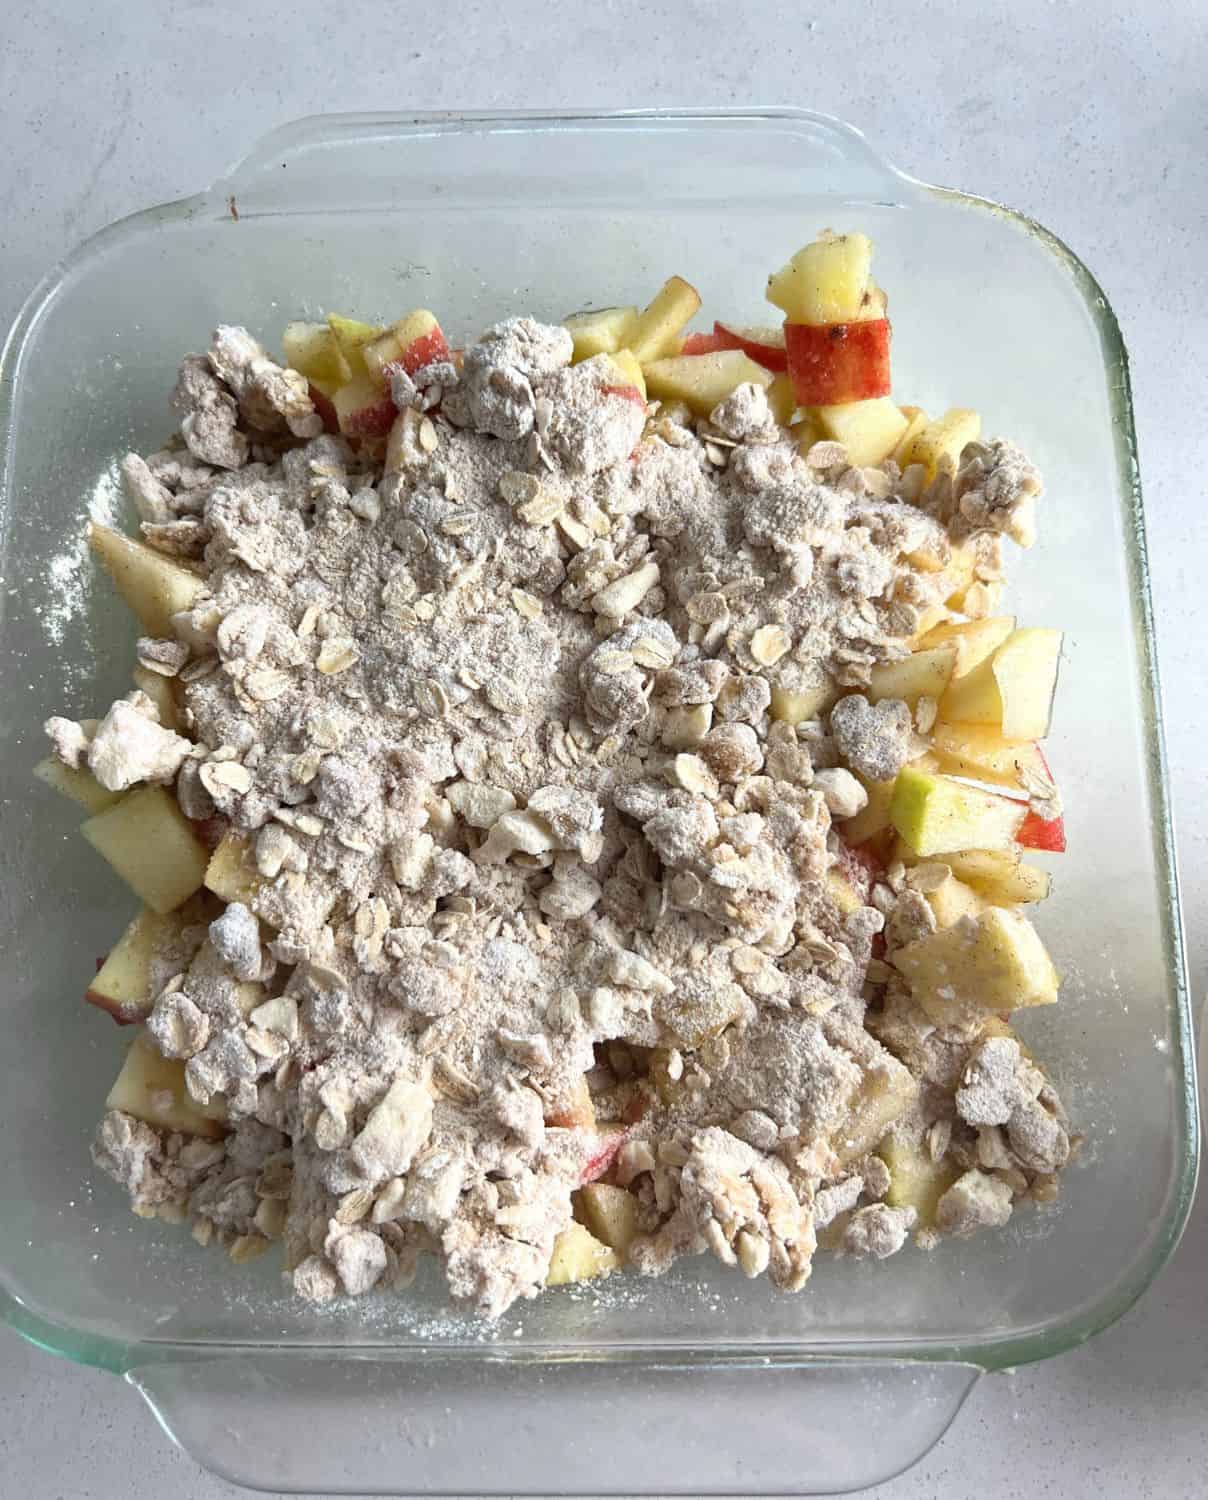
(766, 346)
(1045, 834)
(704, 343)
(835, 363)
(603, 1153)
(413, 342)
(363, 409)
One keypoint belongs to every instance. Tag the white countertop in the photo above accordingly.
(1090, 118)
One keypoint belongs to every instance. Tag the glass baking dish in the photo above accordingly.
(700, 1383)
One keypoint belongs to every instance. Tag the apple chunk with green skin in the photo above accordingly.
(148, 841)
(1013, 688)
(702, 380)
(936, 815)
(151, 1087)
(994, 961)
(155, 587)
(579, 1256)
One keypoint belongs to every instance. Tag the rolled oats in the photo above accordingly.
(529, 731)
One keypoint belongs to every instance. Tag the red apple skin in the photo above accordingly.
(626, 392)
(766, 346)
(833, 363)
(331, 423)
(1046, 834)
(427, 350)
(128, 1015)
(599, 1160)
(373, 421)
(705, 343)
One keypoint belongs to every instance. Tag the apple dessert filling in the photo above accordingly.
(577, 786)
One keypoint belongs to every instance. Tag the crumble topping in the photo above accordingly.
(529, 865)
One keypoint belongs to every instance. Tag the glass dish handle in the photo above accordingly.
(444, 1422)
(368, 160)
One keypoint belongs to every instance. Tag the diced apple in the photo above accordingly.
(611, 1214)
(916, 420)
(839, 362)
(923, 674)
(766, 346)
(231, 872)
(81, 786)
(628, 371)
(794, 703)
(1044, 834)
(806, 430)
(658, 327)
(164, 692)
(887, 1090)
(363, 409)
(972, 640)
(601, 332)
(826, 281)
(841, 891)
(414, 341)
(579, 1256)
(950, 899)
(935, 814)
(148, 841)
(609, 1140)
(577, 1112)
(781, 401)
(702, 380)
(704, 343)
(351, 336)
(915, 1181)
(324, 406)
(152, 585)
(151, 1087)
(979, 752)
(1012, 688)
(311, 348)
(869, 430)
(873, 817)
(122, 985)
(940, 443)
(999, 876)
(994, 961)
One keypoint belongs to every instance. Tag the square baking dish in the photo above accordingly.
(699, 1383)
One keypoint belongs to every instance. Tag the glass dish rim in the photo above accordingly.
(996, 1352)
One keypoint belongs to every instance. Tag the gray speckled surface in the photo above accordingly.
(1090, 118)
